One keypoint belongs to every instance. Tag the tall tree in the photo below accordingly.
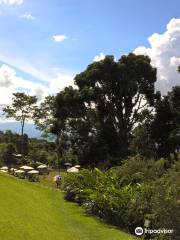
(119, 91)
(107, 104)
(166, 124)
(75, 120)
(22, 110)
(44, 115)
(46, 122)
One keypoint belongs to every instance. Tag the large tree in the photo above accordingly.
(44, 115)
(119, 91)
(76, 120)
(166, 124)
(46, 122)
(22, 110)
(107, 104)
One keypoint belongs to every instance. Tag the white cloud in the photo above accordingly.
(164, 52)
(10, 83)
(27, 16)
(11, 2)
(13, 55)
(99, 57)
(60, 82)
(59, 38)
(6, 76)
(12, 59)
(52, 79)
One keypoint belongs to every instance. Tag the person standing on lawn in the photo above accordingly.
(57, 180)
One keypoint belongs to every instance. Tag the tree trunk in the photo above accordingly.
(22, 137)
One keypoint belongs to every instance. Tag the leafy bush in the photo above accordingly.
(76, 185)
(166, 202)
(7, 152)
(101, 194)
(126, 196)
(138, 169)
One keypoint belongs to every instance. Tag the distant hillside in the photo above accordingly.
(15, 127)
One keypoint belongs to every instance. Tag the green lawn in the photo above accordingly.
(31, 211)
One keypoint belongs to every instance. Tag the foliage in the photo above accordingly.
(112, 113)
(22, 110)
(165, 201)
(141, 141)
(139, 169)
(7, 151)
(43, 115)
(100, 114)
(127, 195)
(165, 128)
(47, 123)
(36, 150)
(101, 194)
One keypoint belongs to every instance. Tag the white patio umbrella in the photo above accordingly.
(77, 166)
(33, 172)
(73, 170)
(5, 171)
(26, 168)
(17, 155)
(43, 166)
(68, 164)
(4, 168)
(19, 171)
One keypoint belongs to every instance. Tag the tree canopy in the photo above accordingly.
(21, 109)
(166, 124)
(108, 101)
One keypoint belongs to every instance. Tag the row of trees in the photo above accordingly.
(113, 112)
(35, 150)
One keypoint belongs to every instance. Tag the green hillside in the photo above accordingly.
(31, 212)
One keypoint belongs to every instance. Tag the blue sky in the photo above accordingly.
(110, 26)
(89, 28)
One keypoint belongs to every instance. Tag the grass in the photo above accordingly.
(31, 211)
(47, 180)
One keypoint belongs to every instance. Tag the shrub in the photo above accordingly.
(101, 195)
(77, 186)
(126, 196)
(166, 202)
(138, 169)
